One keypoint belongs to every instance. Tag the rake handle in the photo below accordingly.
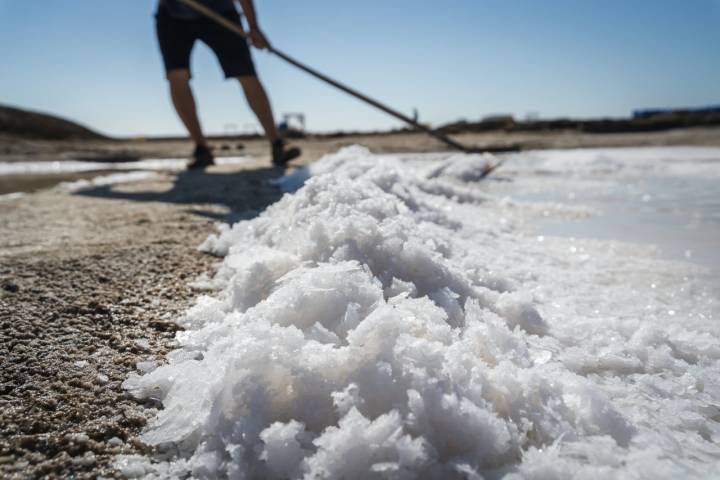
(237, 29)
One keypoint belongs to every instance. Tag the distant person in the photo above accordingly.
(178, 27)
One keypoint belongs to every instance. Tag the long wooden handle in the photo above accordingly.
(237, 29)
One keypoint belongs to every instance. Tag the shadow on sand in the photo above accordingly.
(246, 193)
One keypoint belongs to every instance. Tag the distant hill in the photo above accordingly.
(25, 124)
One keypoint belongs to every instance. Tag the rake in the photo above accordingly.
(237, 29)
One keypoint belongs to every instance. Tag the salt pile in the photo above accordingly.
(388, 321)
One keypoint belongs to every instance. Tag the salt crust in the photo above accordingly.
(386, 322)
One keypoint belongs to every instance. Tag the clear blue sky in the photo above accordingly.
(96, 61)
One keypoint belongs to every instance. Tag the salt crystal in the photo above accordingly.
(360, 328)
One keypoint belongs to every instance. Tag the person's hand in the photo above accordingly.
(258, 39)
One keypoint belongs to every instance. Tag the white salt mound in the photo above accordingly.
(393, 322)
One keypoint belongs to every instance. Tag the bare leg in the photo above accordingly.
(184, 102)
(260, 104)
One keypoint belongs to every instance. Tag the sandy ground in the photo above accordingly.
(90, 283)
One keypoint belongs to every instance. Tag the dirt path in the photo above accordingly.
(89, 285)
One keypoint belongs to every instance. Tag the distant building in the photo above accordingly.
(293, 121)
(649, 113)
(499, 117)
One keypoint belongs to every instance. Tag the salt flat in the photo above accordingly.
(397, 318)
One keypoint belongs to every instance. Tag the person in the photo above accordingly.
(178, 28)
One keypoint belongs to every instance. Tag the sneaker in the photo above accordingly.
(202, 158)
(280, 155)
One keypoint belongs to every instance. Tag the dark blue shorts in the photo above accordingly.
(177, 38)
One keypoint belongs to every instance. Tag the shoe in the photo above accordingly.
(281, 156)
(202, 158)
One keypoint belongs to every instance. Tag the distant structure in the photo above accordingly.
(499, 121)
(499, 117)
(250, 129)
(231, 129)
(293, 121)
(655, 112)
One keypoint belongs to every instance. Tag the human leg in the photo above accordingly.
(184, 103)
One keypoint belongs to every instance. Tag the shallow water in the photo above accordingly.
(680, 216)
(665, 197)
(32, 176)
(11, 184)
